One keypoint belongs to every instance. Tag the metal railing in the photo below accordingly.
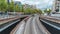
(4, 27)
(53, 27)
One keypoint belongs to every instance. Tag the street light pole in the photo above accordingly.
(14, 8)
(8, 6)
(22, 8)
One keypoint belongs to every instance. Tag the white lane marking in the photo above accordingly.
(21, 28)
(33, 26)
(27, 28)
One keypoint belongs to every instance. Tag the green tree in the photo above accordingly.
(47, 11)
(38, 11)
(27, 11)
(3, 5)
(11, 7)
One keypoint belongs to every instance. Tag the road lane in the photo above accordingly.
(19, 28)
(32, 26)
(42, 28)
(35, 27)
(38, 28)
(28, 26)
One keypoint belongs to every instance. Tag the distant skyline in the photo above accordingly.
(42, 4)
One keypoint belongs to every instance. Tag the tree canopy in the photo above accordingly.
(11, 7)
(47, 11)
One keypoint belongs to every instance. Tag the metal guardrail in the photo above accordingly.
(18, 25)
(6, 25)
(53, 27)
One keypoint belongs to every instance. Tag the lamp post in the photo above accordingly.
(8, 7)
(14, 9)
(22, 8)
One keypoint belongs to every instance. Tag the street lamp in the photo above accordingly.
(8, 6)
(14, 9)
(22, 8)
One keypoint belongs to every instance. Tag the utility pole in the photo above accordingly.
(8, 7)
(22, 8)
(8, 4)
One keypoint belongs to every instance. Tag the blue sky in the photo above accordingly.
(39, 3)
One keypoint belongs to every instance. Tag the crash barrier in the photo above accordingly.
(17, 26)
(7, 27)
(53, 28)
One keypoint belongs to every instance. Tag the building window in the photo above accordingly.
(57, 10)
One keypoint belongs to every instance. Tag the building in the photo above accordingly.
(18, 3)
(56, 6)
(29, 6)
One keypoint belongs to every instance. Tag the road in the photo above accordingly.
(6, 18)
(31, 26)
(50, 18)
(3, 21)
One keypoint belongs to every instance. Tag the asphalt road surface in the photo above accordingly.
(31, 26)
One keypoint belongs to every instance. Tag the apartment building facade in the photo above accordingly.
(56, 6)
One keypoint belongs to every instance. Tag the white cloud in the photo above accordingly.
(45, 4)
(39, 3)
(17, 0)
(30, 1)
